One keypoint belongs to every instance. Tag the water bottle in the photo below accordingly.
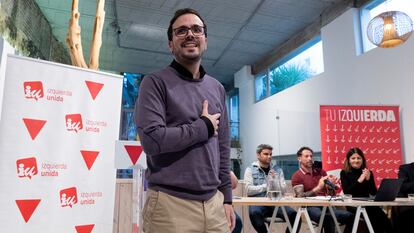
(274, 189)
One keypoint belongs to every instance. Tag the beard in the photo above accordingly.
(190, 57)
(188, 54)
(308, 164)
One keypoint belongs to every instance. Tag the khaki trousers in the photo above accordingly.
(164, 213)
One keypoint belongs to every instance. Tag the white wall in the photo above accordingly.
(379, 77)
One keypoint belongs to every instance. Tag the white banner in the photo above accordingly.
(57, 133)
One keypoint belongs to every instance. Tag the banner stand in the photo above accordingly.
(374, 129)
(57, 131)
(138, 198)
(129, 155)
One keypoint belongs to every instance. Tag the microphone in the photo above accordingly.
(317, 164)
(330, 184)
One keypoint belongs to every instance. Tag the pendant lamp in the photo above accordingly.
(390, 29)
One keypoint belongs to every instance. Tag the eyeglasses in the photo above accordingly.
(182, 31)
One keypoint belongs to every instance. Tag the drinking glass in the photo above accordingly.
(347, 197)
(274, 190)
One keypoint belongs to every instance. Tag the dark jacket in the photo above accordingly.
(406, 172)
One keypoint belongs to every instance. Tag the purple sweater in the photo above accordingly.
(183, 159)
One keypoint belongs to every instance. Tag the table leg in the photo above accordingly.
(335, 220)
(356, 220)
(272, 220)
(287, 219)
(302, 210)
(296, 223)
(309, 221)
(321, 218)
(366, 218)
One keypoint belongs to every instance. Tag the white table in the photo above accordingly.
(303, 203)
(360, 205)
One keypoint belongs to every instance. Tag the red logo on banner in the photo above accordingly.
(84, 228)
(33, 126)
(94, 88)
(134, 152)
(33, 90)
(68, 197)
(89, 157)
(74, 122)
(26, 167)
(27, 207)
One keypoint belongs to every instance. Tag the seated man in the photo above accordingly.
(256, 186)
(308, 181)
(403, 216)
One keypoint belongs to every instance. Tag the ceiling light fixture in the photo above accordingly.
(389, 29)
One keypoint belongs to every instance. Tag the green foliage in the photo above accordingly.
(18, 26)
(261, 87)
(286, 76)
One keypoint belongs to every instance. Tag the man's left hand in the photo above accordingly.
(231, 217)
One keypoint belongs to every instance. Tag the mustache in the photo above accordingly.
(189, 39)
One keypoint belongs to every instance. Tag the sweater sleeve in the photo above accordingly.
(224, 149)
(372, 189)
(150, 118)
(348, 184)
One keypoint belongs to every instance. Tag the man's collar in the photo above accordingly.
(186, 74)
(257, 164)
(303, 171)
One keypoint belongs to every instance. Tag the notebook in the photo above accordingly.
(387, 191)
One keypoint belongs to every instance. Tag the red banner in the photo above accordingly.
(374, 129)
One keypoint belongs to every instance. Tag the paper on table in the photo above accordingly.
(325, 198)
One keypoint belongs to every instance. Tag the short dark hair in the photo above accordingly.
(355, 150)
(263, 147)
(179, 13)
(299, 153)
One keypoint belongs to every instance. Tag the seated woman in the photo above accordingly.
(358, 181)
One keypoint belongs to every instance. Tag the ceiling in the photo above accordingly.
(240, 32)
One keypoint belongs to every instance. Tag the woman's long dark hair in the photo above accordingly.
(355, 150)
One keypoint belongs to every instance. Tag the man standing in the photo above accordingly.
(256, 186)
(309, 181)
(182, 122)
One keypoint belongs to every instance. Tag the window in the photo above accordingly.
(233, 103)
(234, 115)
(377, 7)
(129, 96)
(130, 89)
(300, 65)
(260, 83)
